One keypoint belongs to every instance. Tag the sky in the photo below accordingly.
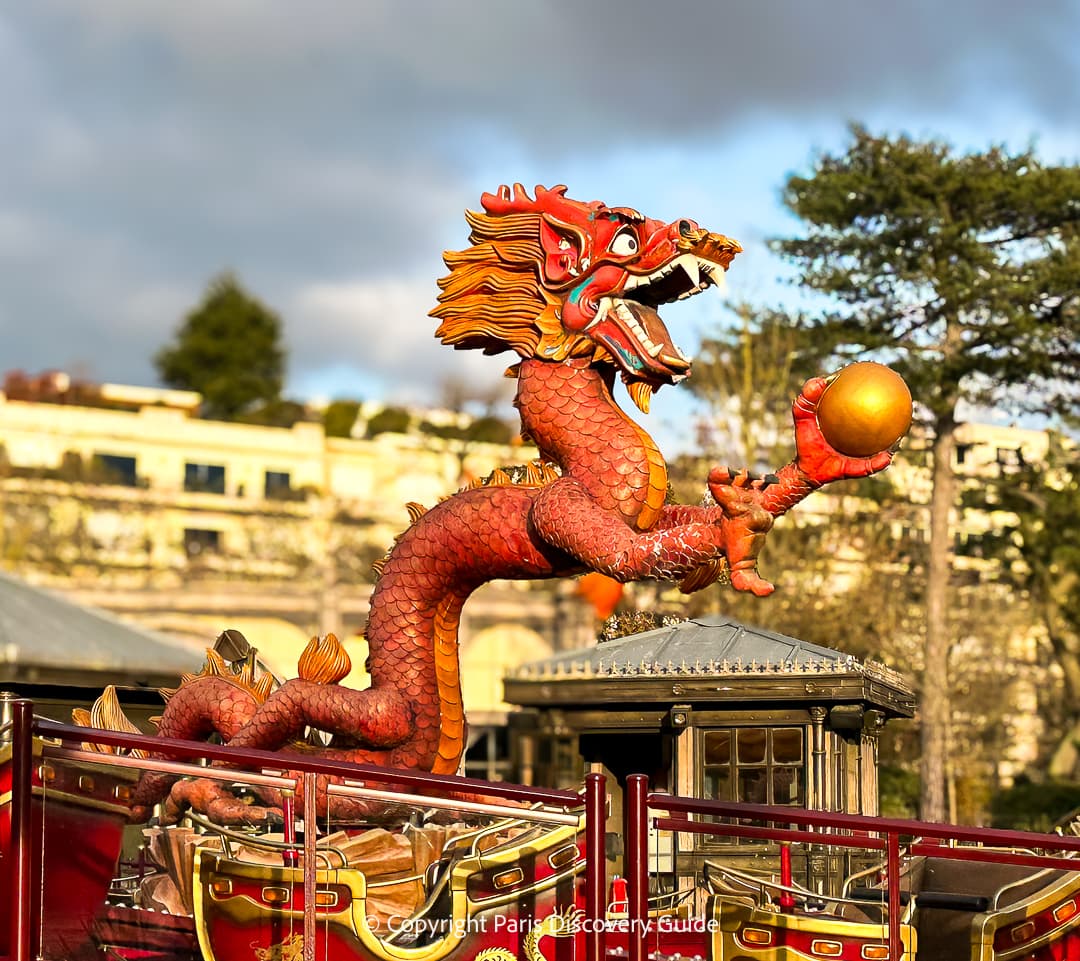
(326, 151)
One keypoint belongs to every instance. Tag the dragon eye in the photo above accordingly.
(625, 243)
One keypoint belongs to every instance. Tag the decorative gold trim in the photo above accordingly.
(508, 878)
(82, 801)
(211, 865)
(1043, 899)
(6, 746)
(730, 916)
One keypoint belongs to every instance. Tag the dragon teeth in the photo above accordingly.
(718, 276)
(700, 273)
(690, 266)
(601, 312)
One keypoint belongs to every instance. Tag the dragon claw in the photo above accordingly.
(749, 581)
(819, 461)
(742, 479)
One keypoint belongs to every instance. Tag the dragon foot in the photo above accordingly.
(745, 524)
(216, 802)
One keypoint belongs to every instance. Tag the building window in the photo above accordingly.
(115, 469)
(758, 765)
(489, 756)
(278, 485)
(204, 478)
(1010, 457)
(198, 542)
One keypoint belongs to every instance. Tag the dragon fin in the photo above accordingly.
(107, 715)
(324, 661)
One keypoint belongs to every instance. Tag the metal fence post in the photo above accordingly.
(595, 861)
(22, 769)
(311, 864)
(892, 871)
(636, 833)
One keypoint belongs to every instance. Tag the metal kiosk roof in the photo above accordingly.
(713, 661)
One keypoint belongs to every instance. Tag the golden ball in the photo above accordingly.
(866, 409)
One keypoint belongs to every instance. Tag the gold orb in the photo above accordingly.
(866, 409)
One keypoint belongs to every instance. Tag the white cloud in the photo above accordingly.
(382, 320)
(380, 331)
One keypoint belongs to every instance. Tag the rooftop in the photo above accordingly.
(46, 639)
(685, 660)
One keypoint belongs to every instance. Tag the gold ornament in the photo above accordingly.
(866, 409)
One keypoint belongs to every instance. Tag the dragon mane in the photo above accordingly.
(493, 300)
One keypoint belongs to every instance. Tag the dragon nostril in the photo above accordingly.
(685, 228)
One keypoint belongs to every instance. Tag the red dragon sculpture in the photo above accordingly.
(573, 288)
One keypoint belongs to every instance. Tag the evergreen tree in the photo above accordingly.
(963, 272)
(229, 350)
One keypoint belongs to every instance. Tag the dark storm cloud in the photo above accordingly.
(558, 76)
(325, 151)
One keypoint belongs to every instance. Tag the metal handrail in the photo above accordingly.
(996, 903)
(850, 830)
(767, 884)
(860, 824)
(169, 755)
(168, 767)
(257, 841)
(444, 804)
(298, 763)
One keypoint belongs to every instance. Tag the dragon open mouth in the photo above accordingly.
(629, 326)
(683, 277)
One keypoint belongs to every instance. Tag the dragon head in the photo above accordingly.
(554, 278)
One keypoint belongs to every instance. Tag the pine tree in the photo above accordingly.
(229, 350)
(963, 272)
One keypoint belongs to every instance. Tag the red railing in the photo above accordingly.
(820, 827)
(169, 755)
(669, 813)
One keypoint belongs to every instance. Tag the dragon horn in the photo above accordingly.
(503, 202)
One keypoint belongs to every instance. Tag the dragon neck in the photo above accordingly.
(569, 412)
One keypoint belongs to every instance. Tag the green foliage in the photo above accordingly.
(389, 420)
(489, 430)
(634, 622)
(1027, 806)
(481, 430)
(339, 417)
(963, 270)
(898, 792)
(229, 349)
(1038, 555)
(1040, 550)
(281, 412)
(443, 431)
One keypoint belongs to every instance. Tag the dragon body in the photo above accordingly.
(573, 288)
